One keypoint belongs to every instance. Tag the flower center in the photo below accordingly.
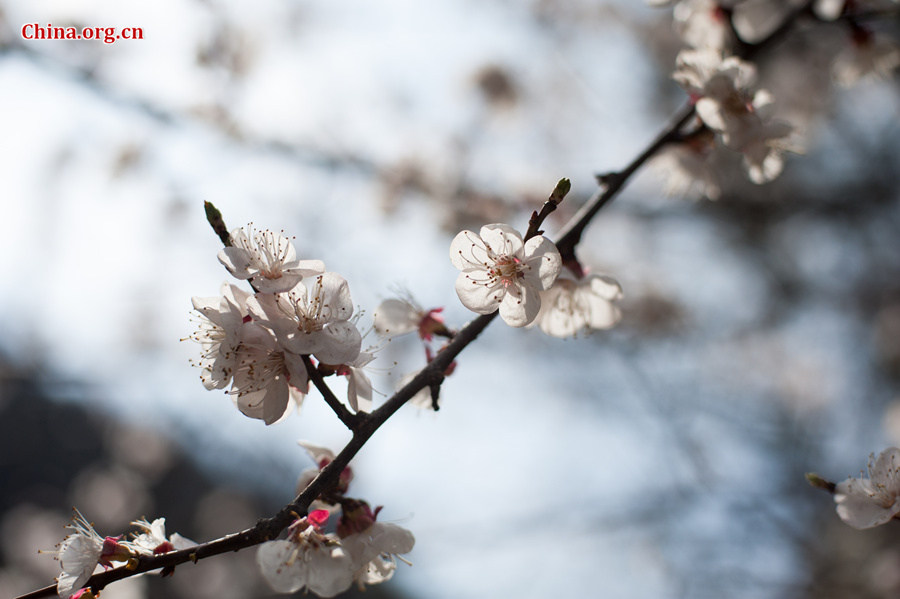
(507, 269)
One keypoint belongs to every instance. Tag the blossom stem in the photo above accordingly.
(350, 420)
(537, 218)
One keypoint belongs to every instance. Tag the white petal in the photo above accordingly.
(606, 287)
(297, 373)
(280, 284)
(359, 391)
(885, 468)
(396, 317)
(238, 262)
(274, 311)
(545, 262)
(338, 343)
(330, 572)
(520, 306)
(272, 558)
(477, 294)
(335, 296)
(79, 554)
(502, 239)
(317, 452)
(857, 508)
(306, 268)
(468, 252)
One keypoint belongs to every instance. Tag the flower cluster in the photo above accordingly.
(723, 89)
(866, 502)
(723, 86)
(256, 342)
(361, 550)
(522, 279)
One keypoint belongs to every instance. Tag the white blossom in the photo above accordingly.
(374, 549)
(219, 334)
(869, 56)
(81, 552)
(312, 321)
(266, 376)
(307, 559)
(690, 167)
(702, 24)
(868, 502)
(399, 316)
(267, 259)
(152, 539)
(499, 270)
(570, 306)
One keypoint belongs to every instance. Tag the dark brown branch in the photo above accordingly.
(570, 235)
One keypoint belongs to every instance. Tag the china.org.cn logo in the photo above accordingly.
(108, 35)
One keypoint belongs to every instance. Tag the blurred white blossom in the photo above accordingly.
(868, 502)
(570, 306)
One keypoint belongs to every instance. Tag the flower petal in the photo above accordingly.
(477, 294)
(544, 261)
(502, 239)
(520, 306)
(468, 252)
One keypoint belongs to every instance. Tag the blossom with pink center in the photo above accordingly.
(397, 316)
(81, 552)
(499, 270)
(307, 559)
(267, 259)
(266, 376)
(312, 321)
(868, 502)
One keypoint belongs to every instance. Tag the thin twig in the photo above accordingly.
(349, 419)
